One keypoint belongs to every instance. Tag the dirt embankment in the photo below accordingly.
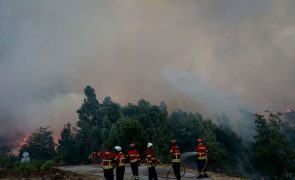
(53, 174)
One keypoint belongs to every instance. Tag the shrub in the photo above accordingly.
(7, 162)
(47, 165)
(26, 168)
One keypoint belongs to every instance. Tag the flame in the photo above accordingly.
(25, 140)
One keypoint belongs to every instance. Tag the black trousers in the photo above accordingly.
(108, 174)
(152, 173)
(176, 170)
(202, 166)
(120, 172)
(134, 168)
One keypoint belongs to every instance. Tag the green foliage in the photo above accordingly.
(105, 131)
(111, 109)
(186, 127)
(69, 146)
(47, 165)
(89, 121)
(216, 152)
(28, 168)
(271, 150)
(101, 124)
(290, 134)
(7, 162)
(40, 145)
(233, 149)
(125, 131)
(109, 123)
(223, 144)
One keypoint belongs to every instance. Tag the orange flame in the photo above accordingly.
(25, 140)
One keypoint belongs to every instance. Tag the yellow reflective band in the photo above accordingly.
(121, 164)
(134, 160)
(108, 167)
(202, 157)
(151, 165)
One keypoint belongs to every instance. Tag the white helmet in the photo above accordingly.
(118, 148)
(149, 144)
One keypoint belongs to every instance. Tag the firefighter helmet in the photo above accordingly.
(149, 144)
(118, 148)
(199, 140)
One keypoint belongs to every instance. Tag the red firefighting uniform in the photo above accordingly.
(120, 165)
(107, 163)
(202, 151)
(151, 163)
(175, 159)
(134, 162)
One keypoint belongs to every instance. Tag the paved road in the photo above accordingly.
(95, 172)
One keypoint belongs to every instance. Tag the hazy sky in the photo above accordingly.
(211, 56)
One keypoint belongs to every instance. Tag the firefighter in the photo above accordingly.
(151, 162)
(107, 157)
(120, 163)
(175, 158)
(134, 160)
(202, 157)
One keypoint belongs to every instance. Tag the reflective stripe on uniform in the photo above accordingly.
(176, 157)
(121, 162)
(202, 156)
(107, 164)
(133, 160)
(175, 160)
(107, 167)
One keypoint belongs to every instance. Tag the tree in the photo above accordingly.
(88, 112)
(111, 109)
(272, 154)
(106, 131)
(186, 127)
(128, 130)
(163, 133)
(89, 121)
(233, 148)
(40, 145)
(216, 152)
(68, 148)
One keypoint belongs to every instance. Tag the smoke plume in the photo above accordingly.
(213, 56)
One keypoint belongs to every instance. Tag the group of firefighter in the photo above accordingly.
(116, 158)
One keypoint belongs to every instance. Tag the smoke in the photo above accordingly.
(210, 56)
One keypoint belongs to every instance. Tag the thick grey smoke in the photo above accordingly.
(213, 56)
